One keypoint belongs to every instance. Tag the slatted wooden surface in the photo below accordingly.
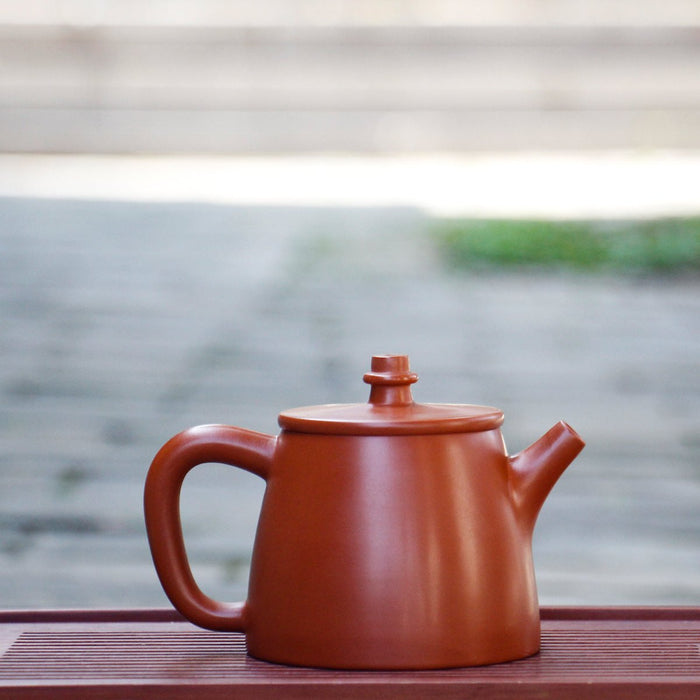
(586, 653)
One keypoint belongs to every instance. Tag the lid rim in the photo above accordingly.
(368, 419)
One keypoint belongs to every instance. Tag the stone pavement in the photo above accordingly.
(126, 322)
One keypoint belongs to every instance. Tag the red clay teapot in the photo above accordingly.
(392, 535)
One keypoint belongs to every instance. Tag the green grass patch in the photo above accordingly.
(661, 245)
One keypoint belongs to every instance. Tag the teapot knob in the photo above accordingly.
(391, 379)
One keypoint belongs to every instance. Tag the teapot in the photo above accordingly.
(392, 534)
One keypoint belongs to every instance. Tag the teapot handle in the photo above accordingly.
(246, 449)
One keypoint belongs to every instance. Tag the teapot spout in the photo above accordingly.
(535, 470)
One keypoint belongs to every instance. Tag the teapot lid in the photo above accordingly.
(390, 409)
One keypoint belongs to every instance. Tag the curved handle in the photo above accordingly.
(246, 449)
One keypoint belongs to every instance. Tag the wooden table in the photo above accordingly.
(586, 653)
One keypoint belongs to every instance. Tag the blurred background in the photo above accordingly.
(214, 210)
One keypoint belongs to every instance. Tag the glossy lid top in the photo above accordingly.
(390, 409)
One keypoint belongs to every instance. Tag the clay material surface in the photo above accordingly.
(392, 535)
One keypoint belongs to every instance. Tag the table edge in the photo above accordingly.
(547, 613)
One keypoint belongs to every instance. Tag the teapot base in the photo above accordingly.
(368, 658)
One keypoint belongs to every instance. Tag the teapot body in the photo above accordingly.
(392, 535)
(391, 552)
